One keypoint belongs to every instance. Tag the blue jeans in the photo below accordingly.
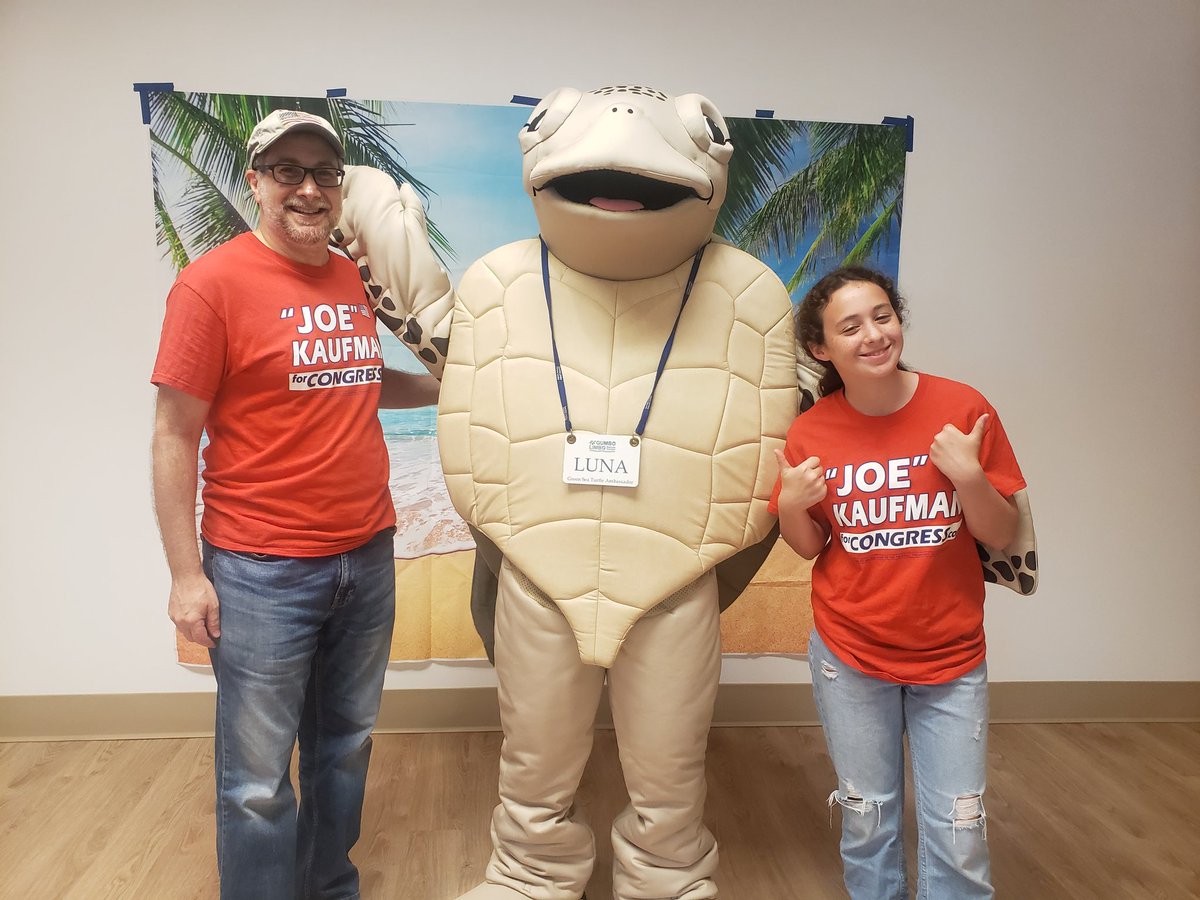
(865, 720)
(302, 654)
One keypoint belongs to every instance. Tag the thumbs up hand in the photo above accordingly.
(956, 454)
(802, 486)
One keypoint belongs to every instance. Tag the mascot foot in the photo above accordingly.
(487, 891)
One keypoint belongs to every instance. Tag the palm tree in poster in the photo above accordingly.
(199, 141)
(847, 196)
(763, 149)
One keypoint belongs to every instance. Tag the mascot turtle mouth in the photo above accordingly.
(620, 191)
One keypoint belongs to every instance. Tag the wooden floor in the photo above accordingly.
(1074, 811)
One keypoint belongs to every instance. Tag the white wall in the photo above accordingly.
(1051, 253)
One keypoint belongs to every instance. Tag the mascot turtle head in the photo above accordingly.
(626, 181)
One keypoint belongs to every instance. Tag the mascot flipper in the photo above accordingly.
(383, 230)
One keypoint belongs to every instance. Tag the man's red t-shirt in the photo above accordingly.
(898, 591)
(289, 357)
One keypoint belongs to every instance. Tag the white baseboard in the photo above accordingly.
(120, 716)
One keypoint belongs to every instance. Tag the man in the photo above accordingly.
(269, 346)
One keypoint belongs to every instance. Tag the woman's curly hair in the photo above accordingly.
(810, 330)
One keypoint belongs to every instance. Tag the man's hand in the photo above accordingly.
(405, 390)
(803, 485)
(178, 422)
(194, 609)
(956, 454)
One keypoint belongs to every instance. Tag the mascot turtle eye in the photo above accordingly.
(547, 116)
(705, 125)
(715, 134)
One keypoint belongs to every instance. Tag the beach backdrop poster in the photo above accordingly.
(803, 197)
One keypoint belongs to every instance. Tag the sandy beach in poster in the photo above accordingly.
(433, 549)
(435, 557)
(433, 616)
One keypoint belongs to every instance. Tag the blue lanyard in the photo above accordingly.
(662, 363)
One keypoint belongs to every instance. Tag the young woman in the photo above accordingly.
(888, 481)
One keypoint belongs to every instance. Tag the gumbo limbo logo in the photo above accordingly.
(332, 378)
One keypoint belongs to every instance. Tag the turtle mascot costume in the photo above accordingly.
(612, 395)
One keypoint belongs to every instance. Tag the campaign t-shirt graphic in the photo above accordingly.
(898, 591)
(288, 356)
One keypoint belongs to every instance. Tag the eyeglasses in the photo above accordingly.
(287, 173)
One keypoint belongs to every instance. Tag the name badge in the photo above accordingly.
(611, 460)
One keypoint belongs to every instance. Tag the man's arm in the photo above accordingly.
(404, 390)
(178, 423)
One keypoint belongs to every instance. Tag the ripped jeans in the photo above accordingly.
(865, 720)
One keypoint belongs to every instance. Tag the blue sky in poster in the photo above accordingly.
(469, 157)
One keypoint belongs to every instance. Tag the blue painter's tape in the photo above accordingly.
(764, 114)
(146, 88)
(525, 101)
(908, 124)
(335, 92)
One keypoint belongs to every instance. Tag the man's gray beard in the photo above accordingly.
(301, 234)
(307, 234)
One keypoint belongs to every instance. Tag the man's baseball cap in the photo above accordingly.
(290, 121)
